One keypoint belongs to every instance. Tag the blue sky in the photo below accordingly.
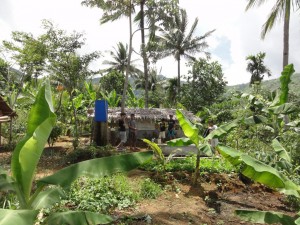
(237, 32)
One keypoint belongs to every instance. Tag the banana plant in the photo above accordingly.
(191, 132)
(25, 158)
(112, 98)
(159, 153)
(267, 175)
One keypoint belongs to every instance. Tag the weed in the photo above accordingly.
(150, 189)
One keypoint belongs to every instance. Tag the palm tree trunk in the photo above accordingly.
(145, 61)
(286, 33)
(128, 61)
(178, 78)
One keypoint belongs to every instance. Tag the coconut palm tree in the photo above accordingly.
(119, 61)
(177, 42)
(153, 80)
(257, 68)
(281, 10)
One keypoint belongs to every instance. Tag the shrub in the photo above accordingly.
(150, 189)
(88, 152)
(101, 195)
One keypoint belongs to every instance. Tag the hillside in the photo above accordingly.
(271, 85)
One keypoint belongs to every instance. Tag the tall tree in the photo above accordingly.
(205, 84)
(257, 68)
(113, 10)
(281, 10)
(119, 61)
(153, 13)
(29, 53)
(65, 65)
(177, 41)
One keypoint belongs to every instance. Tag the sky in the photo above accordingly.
(237, 32)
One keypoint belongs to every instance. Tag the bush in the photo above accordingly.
(54, 135)
(150, 189)
(101, 194)
(88, 152)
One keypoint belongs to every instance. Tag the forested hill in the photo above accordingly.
(271, 85)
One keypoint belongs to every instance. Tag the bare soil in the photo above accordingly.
(212, 201)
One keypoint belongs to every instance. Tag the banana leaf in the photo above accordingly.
(257, 119)
(230, 154)
(286, 108)
(6, 182)
(223, 130)
(18, 217)
(280, 150)
(47, 198)
(155, 148)
(285, 79)
(78, 218)
(265, 217)
(189, 130)
(97, 168)
(261, 172)
(28, 151)
(179, 142)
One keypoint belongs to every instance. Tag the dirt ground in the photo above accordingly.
(211, 202)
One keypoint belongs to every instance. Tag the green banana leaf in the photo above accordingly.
(179, 142)
(286, 108)
(265, 217)
(280, 150)
(28, 151)
(230, 154)
(18, 217)
(223, 130)
(97, 168)
(261, 172)
(257, 119)
(47, 198)
(78, 218)
(290, 189)
(6, 182)
(155, 148)
(189, 130)
(285, 79)
(206, 149)
(297, 221)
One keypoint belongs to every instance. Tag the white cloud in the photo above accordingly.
(237, 32)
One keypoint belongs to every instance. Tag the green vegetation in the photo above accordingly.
(258, 125)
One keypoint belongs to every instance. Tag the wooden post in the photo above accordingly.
(100, 133)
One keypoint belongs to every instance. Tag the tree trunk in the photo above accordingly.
(286, 33)
(178, 78)
(145, 61)
(128, 61)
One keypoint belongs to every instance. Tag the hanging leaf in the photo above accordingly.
(97, 168)
(261, 172)
(280, 150)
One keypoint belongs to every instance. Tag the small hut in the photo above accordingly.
(146, 119)
(6, 114)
